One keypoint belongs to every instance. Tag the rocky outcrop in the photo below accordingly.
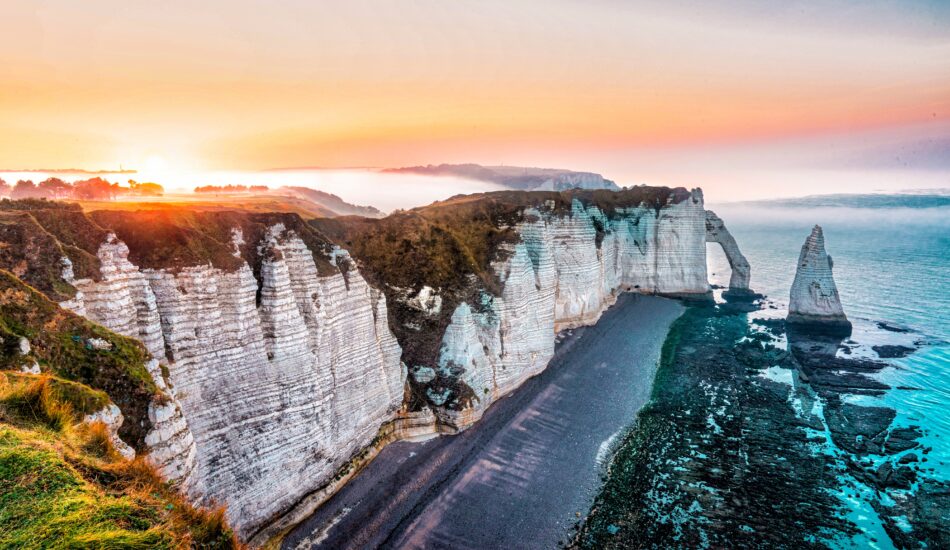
(814, 303)
(266, 399)
(112, 418)
(716, 232)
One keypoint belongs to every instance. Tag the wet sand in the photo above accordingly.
(520, 476)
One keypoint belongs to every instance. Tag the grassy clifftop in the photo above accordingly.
(35, 236)
(171, 238)
(63, 485)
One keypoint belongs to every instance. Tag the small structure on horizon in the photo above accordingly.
(814, 304)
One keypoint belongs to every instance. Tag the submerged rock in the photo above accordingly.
(892, 352)
(891, 327)
(814, 304)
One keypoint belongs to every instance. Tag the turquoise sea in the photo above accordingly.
(892, 265)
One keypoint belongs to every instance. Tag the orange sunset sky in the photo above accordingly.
(639, 91)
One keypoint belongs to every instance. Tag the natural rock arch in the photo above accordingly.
(716, 232)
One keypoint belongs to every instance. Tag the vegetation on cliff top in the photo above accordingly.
(173, 238)
(36, 234)
(63, 485)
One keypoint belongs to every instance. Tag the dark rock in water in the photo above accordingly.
(857, 429)
(719, 458)
(775, 326)
(892, 327)
(929, 513)
(829, 374)
(901, 477)
(892, 352)
(721, 450)
(908, 458)
(741, 295)
(902, 439)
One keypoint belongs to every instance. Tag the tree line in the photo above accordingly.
(92, 189)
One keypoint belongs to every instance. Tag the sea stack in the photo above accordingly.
(814, 304)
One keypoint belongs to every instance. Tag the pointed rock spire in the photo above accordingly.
(814, 302)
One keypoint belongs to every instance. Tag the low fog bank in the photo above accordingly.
(386, 192)
(829, 217)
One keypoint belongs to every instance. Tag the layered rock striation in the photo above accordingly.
(814, 304)
(279, 358)
(563, 260)
(272, 384)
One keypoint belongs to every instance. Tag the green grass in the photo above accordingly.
(63, 485)
(47, 402)
(45, 502)
(59, 343)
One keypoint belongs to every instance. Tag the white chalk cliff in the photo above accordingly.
(266, 402)
(814, 300)
(558, 277)
(274, 382)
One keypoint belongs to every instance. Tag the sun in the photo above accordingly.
(155, 167)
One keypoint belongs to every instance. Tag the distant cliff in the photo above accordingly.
(331, 202)
(281, 358)
(515, 177)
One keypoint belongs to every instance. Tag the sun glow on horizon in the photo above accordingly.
(183, 90)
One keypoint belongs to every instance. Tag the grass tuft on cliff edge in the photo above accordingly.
(63, 485)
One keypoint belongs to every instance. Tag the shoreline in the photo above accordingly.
(750, 440)
(524, 451)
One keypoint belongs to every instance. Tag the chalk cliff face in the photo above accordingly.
(280, 363)
(564, 271)
(269, 399)
(814, 302)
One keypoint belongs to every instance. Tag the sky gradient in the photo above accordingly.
(639, 91)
